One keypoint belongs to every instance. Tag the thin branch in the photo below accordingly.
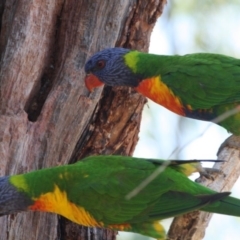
(216, 120)
(149, 179)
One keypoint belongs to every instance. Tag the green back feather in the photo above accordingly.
(100, 185)
(202, 80)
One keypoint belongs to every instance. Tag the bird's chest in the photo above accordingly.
(159, 92)
(57, 202)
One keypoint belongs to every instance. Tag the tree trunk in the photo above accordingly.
(47, 116)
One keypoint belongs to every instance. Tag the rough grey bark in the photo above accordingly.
(47, 116)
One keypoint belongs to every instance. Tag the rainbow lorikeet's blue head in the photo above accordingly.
(12, 201)
(109, 67)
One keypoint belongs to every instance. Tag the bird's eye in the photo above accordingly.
(100, 64)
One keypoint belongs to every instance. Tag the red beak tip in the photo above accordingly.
(92, 82)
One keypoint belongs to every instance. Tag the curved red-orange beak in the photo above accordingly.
(92, 82)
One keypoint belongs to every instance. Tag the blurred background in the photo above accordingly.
(188, 27)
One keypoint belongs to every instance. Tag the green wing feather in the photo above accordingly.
(100, 184)
(108, 193)
(202, 80)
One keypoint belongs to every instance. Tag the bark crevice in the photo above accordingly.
(47, 116)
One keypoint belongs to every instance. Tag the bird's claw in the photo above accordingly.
(209, 173)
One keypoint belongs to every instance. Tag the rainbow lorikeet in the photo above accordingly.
(201, 86)
(92, 192)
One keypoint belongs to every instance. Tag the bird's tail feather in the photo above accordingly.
(227, 206)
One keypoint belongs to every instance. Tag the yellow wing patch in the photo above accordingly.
(190, 168)
(57, 202)
(158, 92)
(159, 230)
(120, 227)
(151, 229)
